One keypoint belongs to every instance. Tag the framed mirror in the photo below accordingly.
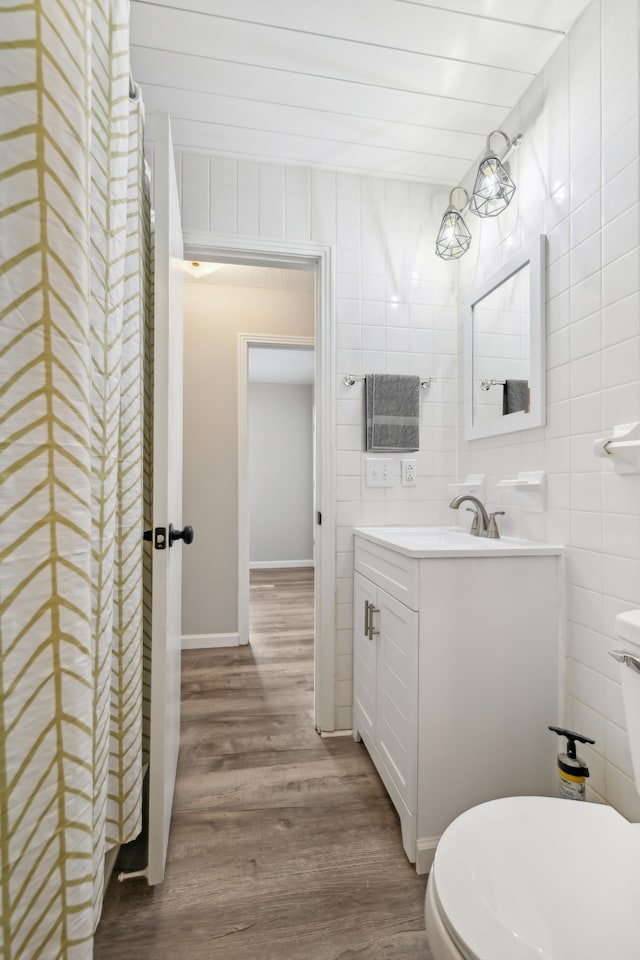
(504, 348)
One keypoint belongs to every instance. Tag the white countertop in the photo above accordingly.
(427, 542)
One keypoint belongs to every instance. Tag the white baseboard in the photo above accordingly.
(278, 564)
(425, 852)
(207, 641)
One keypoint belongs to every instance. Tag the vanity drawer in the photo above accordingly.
(392, 571)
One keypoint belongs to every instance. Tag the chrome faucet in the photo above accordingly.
(482, 522)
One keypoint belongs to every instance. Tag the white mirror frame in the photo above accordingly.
(534, 255)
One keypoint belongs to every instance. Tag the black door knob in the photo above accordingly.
(186, 534)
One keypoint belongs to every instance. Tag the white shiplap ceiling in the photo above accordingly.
(400, 88)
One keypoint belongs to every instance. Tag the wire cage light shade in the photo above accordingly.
(453, 237)
(494, 188)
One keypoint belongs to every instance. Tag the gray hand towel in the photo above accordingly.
(515, 396)
(393, 407)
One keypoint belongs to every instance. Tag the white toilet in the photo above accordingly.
(538, 878)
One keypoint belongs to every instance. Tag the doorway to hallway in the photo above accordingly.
(295, 256)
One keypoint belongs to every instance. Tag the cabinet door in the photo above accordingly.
(364, 661)
(397, 694)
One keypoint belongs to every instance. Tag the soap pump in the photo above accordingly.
(572, 769)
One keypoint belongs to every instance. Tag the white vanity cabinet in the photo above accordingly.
(453, 694)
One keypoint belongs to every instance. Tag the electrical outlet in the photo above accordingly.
(378, 472)
(408, 470)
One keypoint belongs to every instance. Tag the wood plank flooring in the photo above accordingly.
(284, 844)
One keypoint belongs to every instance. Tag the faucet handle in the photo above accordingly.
(474, 529)
(493, 533)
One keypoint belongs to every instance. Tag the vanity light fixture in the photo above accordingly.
(494, 188)
(453, 237)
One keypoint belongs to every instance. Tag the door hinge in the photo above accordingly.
(319, 518)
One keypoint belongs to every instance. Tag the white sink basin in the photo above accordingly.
(452, 542)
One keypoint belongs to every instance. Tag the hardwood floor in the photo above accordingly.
(284, 844)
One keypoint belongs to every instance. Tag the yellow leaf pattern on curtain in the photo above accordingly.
(148, 249)
(74, 329)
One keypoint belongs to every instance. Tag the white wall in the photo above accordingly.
(280, 420)
(577, 181)
(396, 313)
(214, 315)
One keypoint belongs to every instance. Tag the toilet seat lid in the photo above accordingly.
(539, 878)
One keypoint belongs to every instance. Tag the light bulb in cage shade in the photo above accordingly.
(494, 188)
(453, 237)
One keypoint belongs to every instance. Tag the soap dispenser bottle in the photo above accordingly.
(572, 770)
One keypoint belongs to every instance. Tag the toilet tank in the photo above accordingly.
(627, 629)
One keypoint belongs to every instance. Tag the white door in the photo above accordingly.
(167, 503)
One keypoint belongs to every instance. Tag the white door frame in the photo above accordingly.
(258, 251)
(245, 341)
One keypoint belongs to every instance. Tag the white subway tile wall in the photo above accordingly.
(398, 311)
(577, 174)
(395, 313)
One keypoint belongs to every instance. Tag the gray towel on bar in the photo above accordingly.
(393, 408)
(515, 396)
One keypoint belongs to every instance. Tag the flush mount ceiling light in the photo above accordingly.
(453, 237)
(197, 269)
(494, 188)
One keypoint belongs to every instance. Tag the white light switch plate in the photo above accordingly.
(378, 472)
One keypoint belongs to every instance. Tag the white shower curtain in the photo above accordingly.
(74, 325)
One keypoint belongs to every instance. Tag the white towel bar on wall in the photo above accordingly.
(350, 378)
(623, 447)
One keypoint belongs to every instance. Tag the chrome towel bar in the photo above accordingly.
(350, 378)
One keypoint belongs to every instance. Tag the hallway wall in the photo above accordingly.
(214, 316)
(280, 422)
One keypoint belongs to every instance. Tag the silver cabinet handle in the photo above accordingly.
(369, 610)
(629, 659)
